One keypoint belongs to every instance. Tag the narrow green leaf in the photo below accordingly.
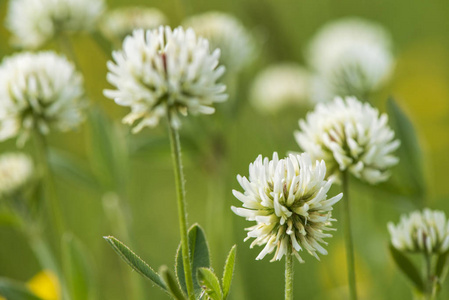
(102, 42)
(441, 266)
(199, 257)
(408, 268)
(179, 269)
(135, 261)
(77, 268)
(171, 283)
(210, 284)
(13, 290)
(107, 150)
(71, 168)
(228, 271)
(409, 172)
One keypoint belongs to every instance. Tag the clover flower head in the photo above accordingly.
(39, 91)
(287, 198)
(424, 231)
(35, 22)
(280, 85)
(118, 23)
(165, 71)
(226, 32)
(352, 56)
(16, 169)
(349, 135)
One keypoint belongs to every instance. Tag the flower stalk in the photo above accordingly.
(348, 238)
(50, 193)
(182, 213)
(289, 272)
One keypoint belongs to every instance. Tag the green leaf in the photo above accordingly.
(171, 283)
(107, 151)
(408, 268)
(210, 283)
(179, 269)
(102, 42)
(441, 266)
(409, 175)
(77, 268)
(199, 257)
(135, 261)
(13, 290)
(71, 168)
(228, 271)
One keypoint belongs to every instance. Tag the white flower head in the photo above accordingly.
(165, 70)
(424, 231)
(16, 170)
(349, 135)
(227, 33)
(34, 22)
(353, 56)
(288, 200)
(280, 85)
(39, 91)
(120, 22)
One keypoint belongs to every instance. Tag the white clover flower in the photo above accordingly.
(120, 22)
(288, 200)
(34, 22)
(16, 169)
(353, 56)
(160, 70)
(227, 33)
(39, 92)
(280, 85)
(349, 135)
(424, 231)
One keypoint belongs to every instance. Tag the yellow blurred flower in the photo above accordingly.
(45, 285)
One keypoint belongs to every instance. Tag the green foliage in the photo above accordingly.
(441, 268)
(408, 268)
(210, 283)
(199, 257)
(228, 271)
(65, 165)
(171, 283)
(77, 268)
(410, 175)
(107, 151)
(13, 290)
(135, 261)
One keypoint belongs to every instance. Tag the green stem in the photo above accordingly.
(289, 275)
(67, 49)
(50, 192)
(182, 214)
(431, 288)
(348, 238)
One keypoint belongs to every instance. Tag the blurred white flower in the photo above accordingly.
(279, 86)
(39, 91)
(424, 231)
(34, 22)
(227, 33)
(16, 169)
(160, 70)
(120, 22)
(352, 56)
(349, 135)
(288, 200)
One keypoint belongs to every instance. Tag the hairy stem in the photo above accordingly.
(348, 238)
(182, 213)
(289, 275)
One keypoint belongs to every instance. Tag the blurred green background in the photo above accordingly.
(420, 84)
